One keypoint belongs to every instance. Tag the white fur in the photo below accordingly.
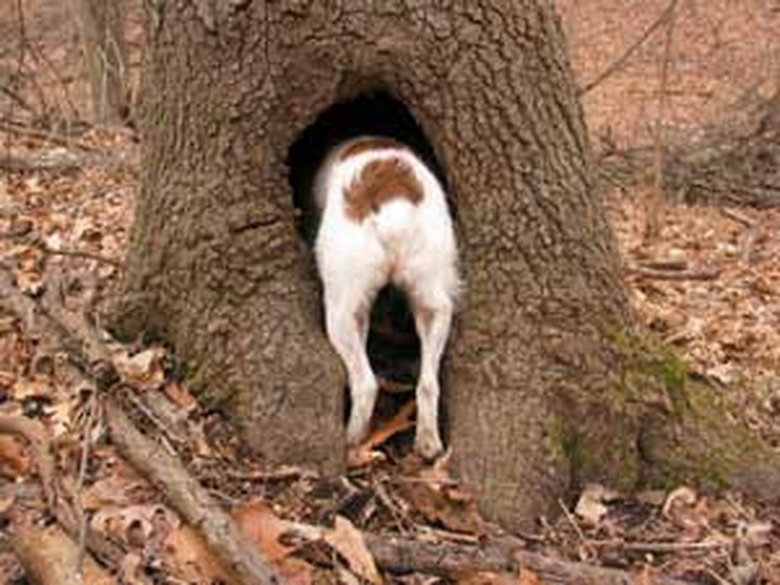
(411, 246)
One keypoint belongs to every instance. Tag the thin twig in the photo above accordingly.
(26, 131)
(661, 547)
(85, 255)
(78, 500)
(573, 522)
(618, 64)
(641, 271)
(656, 195)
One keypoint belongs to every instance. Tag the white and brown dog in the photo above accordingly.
(385, 221)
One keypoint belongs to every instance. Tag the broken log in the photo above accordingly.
(448, 560)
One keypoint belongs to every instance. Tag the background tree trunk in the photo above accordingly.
(545, 387)
(102, 29)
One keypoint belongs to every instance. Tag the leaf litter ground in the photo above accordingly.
(64, 232)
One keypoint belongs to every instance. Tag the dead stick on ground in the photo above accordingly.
(405, 555)
(189, 498)
(752, 227)
(27, 132)
(662, 547)
(641, 271)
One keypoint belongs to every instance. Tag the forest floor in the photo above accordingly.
(708, 286)
(715, 297)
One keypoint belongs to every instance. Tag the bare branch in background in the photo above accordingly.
(102, 27)
(655, 199)
(618, 64)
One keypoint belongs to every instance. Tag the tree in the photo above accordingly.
(548, 383)
(101, 24)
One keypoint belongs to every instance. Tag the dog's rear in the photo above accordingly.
(384, 220)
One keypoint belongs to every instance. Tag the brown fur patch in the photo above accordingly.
(378, 182)
(368, 144)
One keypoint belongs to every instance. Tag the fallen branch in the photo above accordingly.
(190, 499)
(27, 132)
(49, 557)
(405, 555)
(185, 493)
(641, 271)
(626, 55)
(16, 164)
(662, 547)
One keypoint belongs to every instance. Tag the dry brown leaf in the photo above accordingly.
(643, 577)
(144, 369)
(485, 578)
(296, 572)
(12, 457)
(400, 422)
(263, 528)
(348, 541)
(453, 508)
(590, 506)
(31, 388)
(528, 577)
(29, 282)
(114, 490)
(180, 396)
(186, 555)
(363, 456)
(131, 570)
(136, 522)
(6, 504)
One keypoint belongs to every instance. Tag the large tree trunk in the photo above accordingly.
(544, 386)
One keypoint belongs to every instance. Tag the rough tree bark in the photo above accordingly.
(546, 386)
(102, 28)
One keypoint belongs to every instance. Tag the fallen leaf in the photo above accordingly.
(455, 509)
(348, 541)
(131, 570)
(37, 386)
(528, 577)
(363, 456)
(180, 396)
(114, 490)
(131, 522)
(5, 505)
(186, 555)
(144, 368)
(12, 456)
(402, 421)
(263, 528)
(590, 505)
(296, 572)
(346, 577)
(484, 578)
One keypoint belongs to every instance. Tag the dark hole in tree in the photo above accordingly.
(393, 345)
